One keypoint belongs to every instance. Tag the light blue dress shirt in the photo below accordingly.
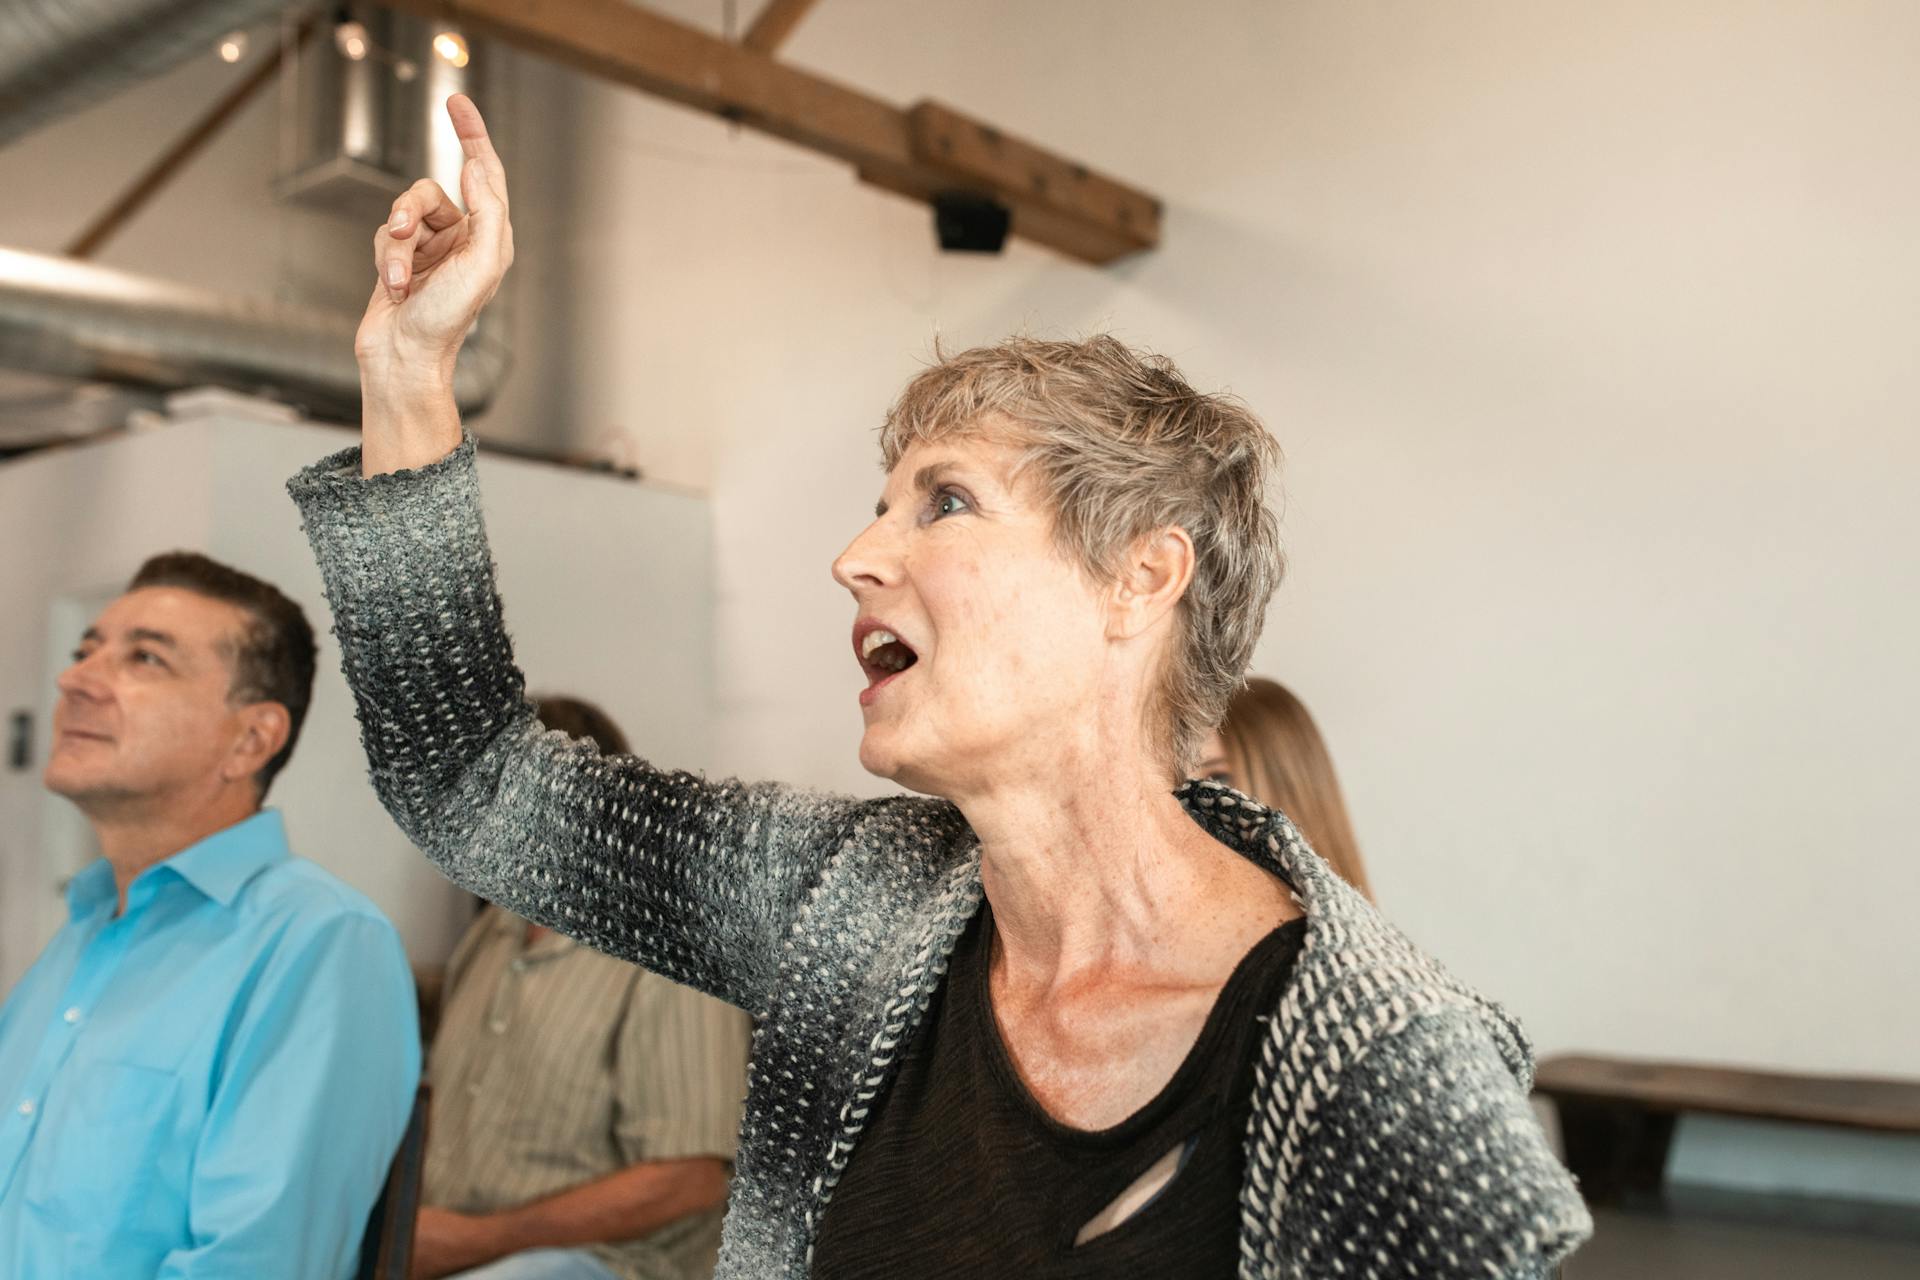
(211, 1084)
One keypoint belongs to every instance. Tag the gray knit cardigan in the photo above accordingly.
(1391, 1134)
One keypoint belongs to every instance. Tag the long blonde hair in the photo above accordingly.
(1276, 755)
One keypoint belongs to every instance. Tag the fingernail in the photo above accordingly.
(396, 274)
(399, 222)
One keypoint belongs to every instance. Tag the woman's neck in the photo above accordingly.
(1103, 869)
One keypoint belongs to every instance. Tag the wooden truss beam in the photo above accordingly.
(923, 152)
(774, 24)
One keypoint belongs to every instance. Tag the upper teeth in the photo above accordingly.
(874, 639)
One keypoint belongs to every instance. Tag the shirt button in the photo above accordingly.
(26, 1107)
(473, 1090)
(518, 966)
(72, 1015)
(498, 1025)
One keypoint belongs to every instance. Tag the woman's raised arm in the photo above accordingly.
(697, 880)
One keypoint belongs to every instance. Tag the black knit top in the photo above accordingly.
(963, 1173)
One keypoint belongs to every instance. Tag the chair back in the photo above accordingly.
(386, 1253)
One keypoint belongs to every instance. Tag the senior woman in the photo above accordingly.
(1055, 1019)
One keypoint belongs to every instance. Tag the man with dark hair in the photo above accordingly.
(272, 651)
(585, 1111)
(207, 1070)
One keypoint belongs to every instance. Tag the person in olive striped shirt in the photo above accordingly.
(585, 1111)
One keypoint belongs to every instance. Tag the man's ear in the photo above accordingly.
(264, 727)
(1156, 574)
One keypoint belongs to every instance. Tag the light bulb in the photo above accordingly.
(405, 69)
(452, 46)
(233, 46)
(351, 38)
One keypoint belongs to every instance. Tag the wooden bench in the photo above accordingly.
(1617, 1116)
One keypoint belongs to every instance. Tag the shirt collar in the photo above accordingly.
(218, 866)
(552, 944)
(91, 888)
(506, 924)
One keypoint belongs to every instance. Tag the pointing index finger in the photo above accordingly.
(472, 132)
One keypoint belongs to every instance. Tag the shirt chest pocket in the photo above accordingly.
(111, 1153)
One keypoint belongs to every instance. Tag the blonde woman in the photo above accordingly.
(1269, 748)
(1057, 1016)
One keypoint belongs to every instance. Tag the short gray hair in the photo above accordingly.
(1124, 447)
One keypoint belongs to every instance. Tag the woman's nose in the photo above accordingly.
(868, 561)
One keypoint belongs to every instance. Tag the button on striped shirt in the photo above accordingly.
(555, 1065)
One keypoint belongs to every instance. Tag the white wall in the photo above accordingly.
(1588, 331)
(636, 583)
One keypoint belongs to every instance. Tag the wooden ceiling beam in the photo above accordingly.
(922, 153)
(1040, 187)
(774, 24)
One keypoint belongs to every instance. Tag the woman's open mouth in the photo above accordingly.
(883, 656)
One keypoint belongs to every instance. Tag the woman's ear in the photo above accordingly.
(1155, 576)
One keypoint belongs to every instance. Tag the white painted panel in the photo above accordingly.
(74, 524)
(607, 584)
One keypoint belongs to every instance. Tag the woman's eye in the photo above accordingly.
(147, 656)
(948, 503)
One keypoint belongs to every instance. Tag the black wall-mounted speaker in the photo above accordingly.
(970, 223)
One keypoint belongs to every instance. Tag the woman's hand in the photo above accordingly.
(437, 268)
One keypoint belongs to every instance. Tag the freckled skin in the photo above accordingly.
(1094, 1054)
(1023, 680)
(999, 621)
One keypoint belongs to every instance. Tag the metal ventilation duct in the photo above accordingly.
(57, 56)
(77, 320)
(71, 319)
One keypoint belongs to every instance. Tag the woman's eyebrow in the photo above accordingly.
(931, 476)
